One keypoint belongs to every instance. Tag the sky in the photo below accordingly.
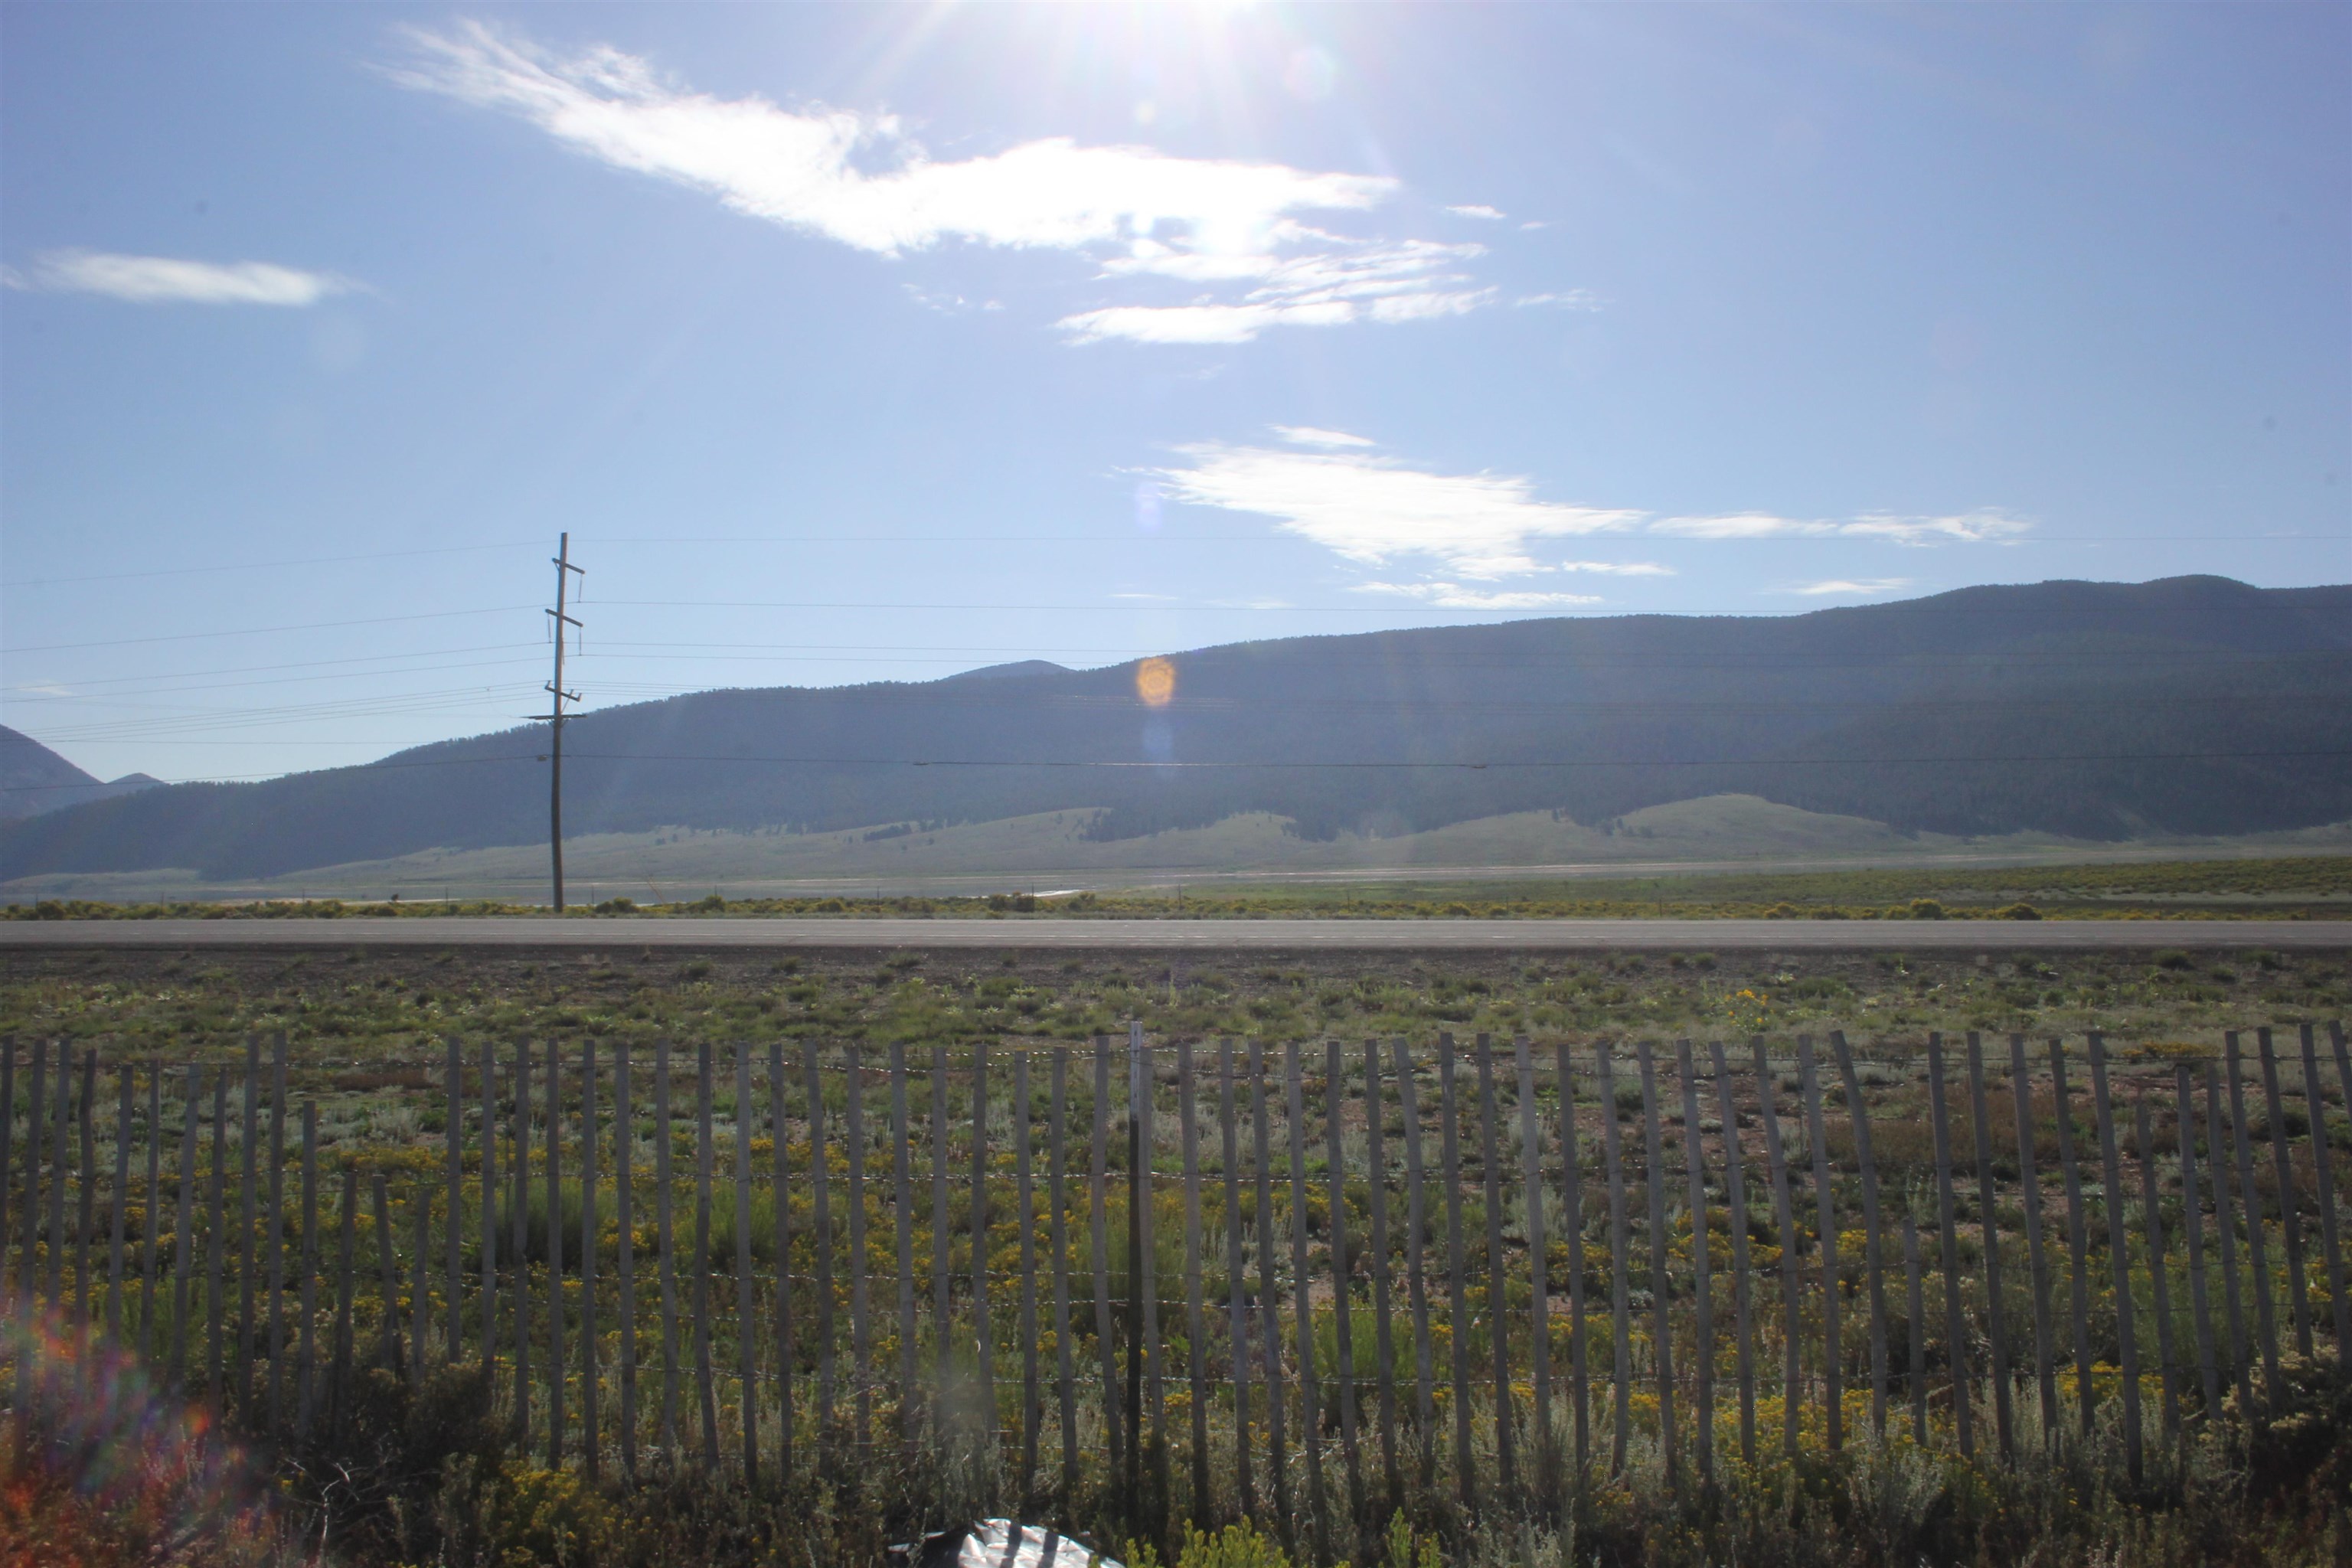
(878, 342)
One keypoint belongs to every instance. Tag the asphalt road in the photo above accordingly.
(1219, 935)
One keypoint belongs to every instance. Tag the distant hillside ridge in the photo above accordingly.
(34, 779)
(2186, 706)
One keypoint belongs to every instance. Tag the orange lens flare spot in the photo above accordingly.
(1155, 682)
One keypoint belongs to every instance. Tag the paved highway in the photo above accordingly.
(1219, 935)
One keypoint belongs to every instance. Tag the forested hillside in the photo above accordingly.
(2190, 705)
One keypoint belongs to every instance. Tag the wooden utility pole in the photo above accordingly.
(554, 717)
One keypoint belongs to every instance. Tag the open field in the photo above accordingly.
(1533, 854)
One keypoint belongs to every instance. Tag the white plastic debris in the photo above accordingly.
(1000, 1543)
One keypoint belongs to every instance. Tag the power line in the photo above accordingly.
(264, 631)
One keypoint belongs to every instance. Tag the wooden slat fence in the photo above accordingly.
(1275, 1242)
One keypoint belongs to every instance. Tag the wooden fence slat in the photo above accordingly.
(665, 1239)
(1310, 1419)
(861, 1351)
(1376, 1170)
(60, 1160)
(2343, 1054)
(1776, 1159)
(1270, 1325)
(452, 1143)
(2225, 1229)
(2290, 1224)
(1735, 1195)
(2029, 1184)
(1141, 1108)
(339, 1404)
(1825, 1222)
(781, 1243)
(389, 1349)
(249, 1150)
(1058, 1223)
(518, 1243)
(1499, 1316)
(215, 1241)
(1416, 1270)
(2119, 1255)
(821, 1245)
(1859, 1115)
(1916, 1331)
(1653, 1187)
(305, 1374)
(1098, 1202)
(942, 1277)
(592, 1434)
(1572, 1226)
(902, 1212)
(705, 1162)
(555, 1352)
(489, 1227)
(1956, 1343)
(982, 1336)
(2250, 1199)
(625, 1219)
(747, 1339)
(2315, 1113)
(149, 1300)
(183, 1238)
(2192, 1221)
(1532, 1187)
(420, 1304)
(1449, 1120)
(1619, 1302)
(1989, 1228)
(28, 1276)
(1236, 1282)
(1188, 1124)
(1342, 1278)
(8, 1133)
(1702, 1264)
(86, 1184)
(2152, 1215)
(1024, 1211)
(119, 1217)
(2077, 1238)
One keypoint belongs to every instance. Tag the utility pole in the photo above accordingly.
(554, 717)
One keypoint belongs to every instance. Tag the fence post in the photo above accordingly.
(1734, 1191)
(1825, 1212)
(1058, 1222)
(861, 1351)
(1416, 1270)
(1619, 1303)
(2126, 1337)
(1270, 1323)
(390, 1350)
(60, 1155)
(1916, 1332)
(590, 1434)
(453, 1150)
(983, 1334)
(903, 1215)
(347, 1234)
(1449, 1114)
(154, 1225)
(305, 1374)
(1956, 1343)
(2290, 1223)
(490, 1136)
(781, 1240)
(1995, 1316)
(86, 1183)
(1776, 1159)
(2193, 1221)
(1236, 1280)
(1188, 1126)
(248, 1150)
(624, 1218)
(2029, 1182)
(7, 1132)
(28, 1276)
(1702, 1269)
(2316, 1112)
(821, 1241)
(119, 1217)
(556, 1356)
(183, 1240)
(1499, 1316)
(2225, 1229)
(1572, 1225)
(420, 1305)
(1653, 1184)
(1531, 1186)
(1860, 1117)
(2078, 1239)
(1145, 1140)
(706, 1382)
(518, 1239)
(1310, 1424)
(747, 1339)
(2152, 1213)
(2265, 1313)
(942, 1280)
(1099, 1195)
(1024, 1210)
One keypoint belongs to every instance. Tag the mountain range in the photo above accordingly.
(34, 779)
(2099, 710)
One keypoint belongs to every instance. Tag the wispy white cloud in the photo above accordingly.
(1454, 596)
(1984, 526)
(1232, 227)
(164, 280)
(1331, 440)
(1844, 587)
(1566, 298)
(1372, 510)
(1478, 209)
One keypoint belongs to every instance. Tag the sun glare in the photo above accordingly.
(1155, 682)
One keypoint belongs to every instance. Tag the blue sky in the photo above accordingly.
(855, 343)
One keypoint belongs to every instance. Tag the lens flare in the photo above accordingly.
(1155, 682)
